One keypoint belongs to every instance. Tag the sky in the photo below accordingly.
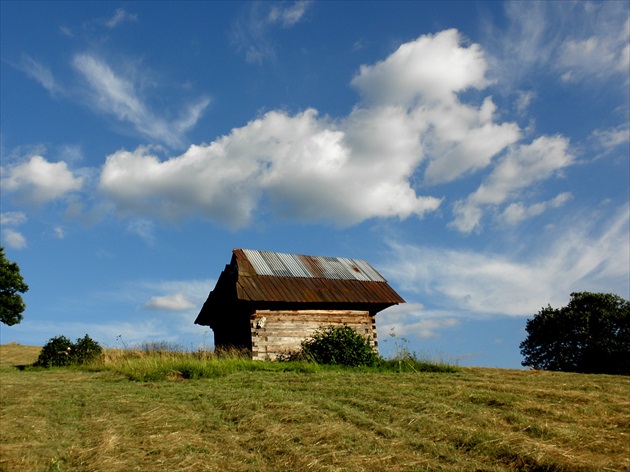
(475, 153)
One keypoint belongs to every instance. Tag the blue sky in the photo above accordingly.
(475, 153)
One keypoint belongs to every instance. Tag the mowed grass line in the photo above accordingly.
(475, 419)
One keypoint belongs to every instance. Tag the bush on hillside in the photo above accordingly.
(86, 350)
(339, 345)
(60, 351)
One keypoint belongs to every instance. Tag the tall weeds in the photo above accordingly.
(163, 362)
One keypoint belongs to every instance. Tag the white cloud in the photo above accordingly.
(10, 237)
(521, 167)
(71, 153)
(121, 16)
(288, 16)
(431, 68)
(12, 218)
(301, 162)
(173, 302)
(13, 239)
(59, 232)
(605, 53)
(517, 212)
(426, 75)
(144, 229)
(39, 181)
(523, 100)
(251, 32)
(122, 319)
(577, 41)
(66, 31)
(40, 73)
(587, 253)
(611, 138)
(117, 95)
(412, 319)
(177, 295)
(463, 139)
(344, 171)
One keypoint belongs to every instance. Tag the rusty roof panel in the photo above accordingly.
(256, 277)
(275, 264)
(290, 289)
(276, 277)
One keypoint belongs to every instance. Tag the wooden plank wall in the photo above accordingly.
(278, 332)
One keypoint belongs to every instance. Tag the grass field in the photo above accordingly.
(247, 419)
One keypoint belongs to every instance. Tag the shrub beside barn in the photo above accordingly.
(268, 302)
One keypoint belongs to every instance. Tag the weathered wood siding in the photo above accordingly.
(277, 332)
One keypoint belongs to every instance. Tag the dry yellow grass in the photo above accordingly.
(14, 354)
(476, 419)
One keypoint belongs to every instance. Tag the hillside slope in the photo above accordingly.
(475, 419)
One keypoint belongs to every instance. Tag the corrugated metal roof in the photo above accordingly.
(315, 267)
(277, 279)
(311, 290)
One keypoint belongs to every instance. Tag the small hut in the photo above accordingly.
(268, 302)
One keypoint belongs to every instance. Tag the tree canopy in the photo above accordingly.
(589, 335)
(11, 285)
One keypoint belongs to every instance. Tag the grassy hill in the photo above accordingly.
(247, 419)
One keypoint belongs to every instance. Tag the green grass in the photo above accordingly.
(245, 416)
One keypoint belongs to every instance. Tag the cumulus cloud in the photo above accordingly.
(410, 130)
(177, 295)
(300, 162)
(521, 167)
(173, 302)
(590, 253)
(431, 68)
(312, 168)
(426, 75)
(117, 95)
(11, 237)
(38, 181)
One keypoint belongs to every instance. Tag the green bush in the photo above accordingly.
(339, 345)
(85, 350)
(60, 351)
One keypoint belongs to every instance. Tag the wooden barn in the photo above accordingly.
(268, 302)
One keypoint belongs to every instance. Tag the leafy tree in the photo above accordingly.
(339, 345)
(11, 285)
(589, 335)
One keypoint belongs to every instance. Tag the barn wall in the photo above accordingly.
(277, 332)
(232, 330)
